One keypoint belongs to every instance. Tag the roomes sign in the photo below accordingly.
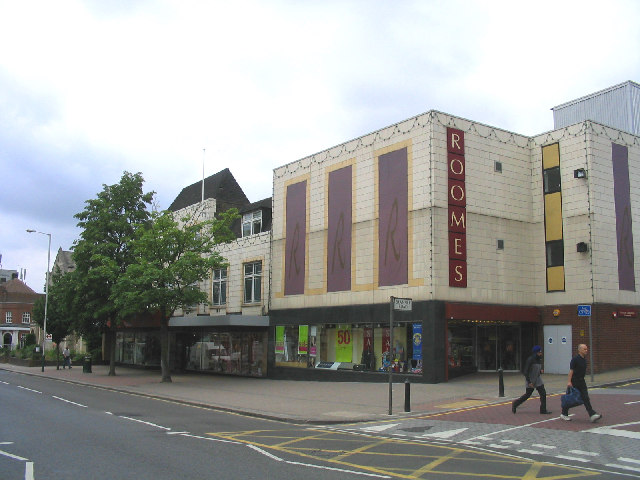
(457, 200)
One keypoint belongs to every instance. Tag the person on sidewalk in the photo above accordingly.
(67, 358)
(577, 371)
(533, 380)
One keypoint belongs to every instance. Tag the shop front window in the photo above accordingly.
(350, 347)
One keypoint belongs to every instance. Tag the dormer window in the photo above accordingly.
(251, 223)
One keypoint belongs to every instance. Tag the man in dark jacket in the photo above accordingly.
(533, 380)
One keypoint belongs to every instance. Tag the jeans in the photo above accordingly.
(543, 397)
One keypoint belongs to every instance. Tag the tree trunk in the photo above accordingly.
(112, 352)
(164, 350)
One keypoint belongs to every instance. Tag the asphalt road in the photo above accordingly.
(55, 429)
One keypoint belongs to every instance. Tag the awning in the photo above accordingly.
(220, 321)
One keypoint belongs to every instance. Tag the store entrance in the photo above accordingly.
(487, 347)
(498, 346)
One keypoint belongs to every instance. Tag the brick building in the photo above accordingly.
(16, 310)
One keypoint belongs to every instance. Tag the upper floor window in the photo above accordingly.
(219, 296)
(8, 317)
(551, 177)
(26, 317)
(251, 223)
(252, 282)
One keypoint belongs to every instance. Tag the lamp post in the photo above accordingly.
(46, 296)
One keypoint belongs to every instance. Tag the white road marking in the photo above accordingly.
(514, 442)
(630, 460)
(30, 389)
(445, 434)
(6, 443)
(28, 471)
(614, 431)
(582, 452)
(11, 455)
(577, 459)
(533, 452)
(380, 428)
(5, 383)
(548, 447)
(487, 435)
(145, 423)
(69, 401)
(495, 445)
(176, 433)
(623, 467)
(631, 403)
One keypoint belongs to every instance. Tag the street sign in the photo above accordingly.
(584, 310)
(402, 304)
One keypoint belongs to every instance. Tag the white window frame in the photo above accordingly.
(251, 223)
(252, 276)
(219, 281)
(8, 317)
(26, 317)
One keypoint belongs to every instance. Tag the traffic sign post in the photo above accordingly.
(585, 311)
(402, 305)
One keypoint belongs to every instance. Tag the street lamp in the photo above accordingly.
(46, 297)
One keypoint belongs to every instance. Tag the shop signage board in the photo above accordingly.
(402, 304)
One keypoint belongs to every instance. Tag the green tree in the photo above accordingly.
(171, 261)
(59, 308)
(104, 251)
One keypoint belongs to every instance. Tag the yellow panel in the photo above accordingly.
(551, 156)
(553, 216)
(555, 279)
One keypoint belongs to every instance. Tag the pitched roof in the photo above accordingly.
(16, 291)
(222, 186)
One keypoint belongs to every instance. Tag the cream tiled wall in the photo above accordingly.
(504, 206)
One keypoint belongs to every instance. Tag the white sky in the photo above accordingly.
(89, 89)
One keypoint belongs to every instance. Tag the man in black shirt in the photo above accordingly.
(577, 371)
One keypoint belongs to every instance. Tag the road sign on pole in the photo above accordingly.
(584, 310)
(402, 304)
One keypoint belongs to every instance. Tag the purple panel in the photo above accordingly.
(296, 239)
(339, 231)
(624, 228)
(393, 231)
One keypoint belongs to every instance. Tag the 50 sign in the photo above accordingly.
(344, 337)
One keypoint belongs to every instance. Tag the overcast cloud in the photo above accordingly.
(89, 89)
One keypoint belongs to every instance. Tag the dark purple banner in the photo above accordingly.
(393, 231)
(339, 231)
(295, 249)
(624, 227)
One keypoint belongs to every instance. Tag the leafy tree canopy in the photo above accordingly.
(170, 262)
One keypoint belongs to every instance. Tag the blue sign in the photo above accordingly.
(584, 310)
(417, 341)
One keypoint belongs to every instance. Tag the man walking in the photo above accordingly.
(67, 358)
(577, 371)
(533, 380)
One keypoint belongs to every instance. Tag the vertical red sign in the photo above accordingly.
(457, 200)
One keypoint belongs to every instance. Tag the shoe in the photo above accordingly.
(595, 417)
(513, 408)
(566, 418)
(546, 412)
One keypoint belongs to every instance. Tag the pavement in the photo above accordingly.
(317, 402)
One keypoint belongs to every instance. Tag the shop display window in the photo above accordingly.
(350, 347)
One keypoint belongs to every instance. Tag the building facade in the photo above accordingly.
(431, 248)
(229, 333)
(495, 237)
(16, 311)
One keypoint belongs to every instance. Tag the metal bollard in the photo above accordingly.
(500, 382)
(407, 395)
